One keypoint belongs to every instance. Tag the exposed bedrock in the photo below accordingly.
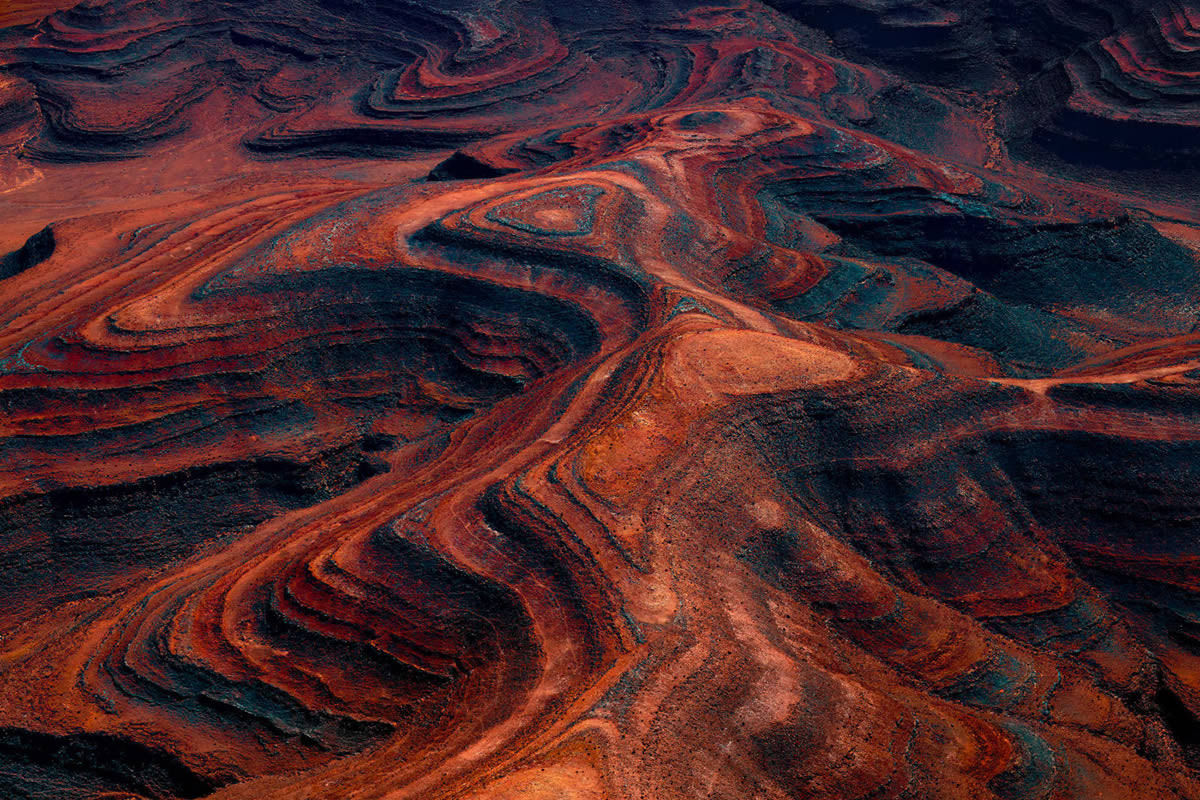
(642, 400)
(1125, 100)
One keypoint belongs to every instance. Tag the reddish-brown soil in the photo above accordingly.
(539, 399)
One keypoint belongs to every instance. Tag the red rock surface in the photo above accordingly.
(448, 399)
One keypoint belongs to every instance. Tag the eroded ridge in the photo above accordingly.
(618, 400)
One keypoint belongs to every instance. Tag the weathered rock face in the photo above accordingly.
(450, 399)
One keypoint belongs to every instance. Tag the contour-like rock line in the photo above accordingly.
(427, 399)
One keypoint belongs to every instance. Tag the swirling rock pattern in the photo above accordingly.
(448, 399)
(1131, 97)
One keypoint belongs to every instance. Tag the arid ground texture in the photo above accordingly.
(599, 399)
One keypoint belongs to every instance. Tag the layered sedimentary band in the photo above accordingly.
(1131, 97)
(618, 400)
